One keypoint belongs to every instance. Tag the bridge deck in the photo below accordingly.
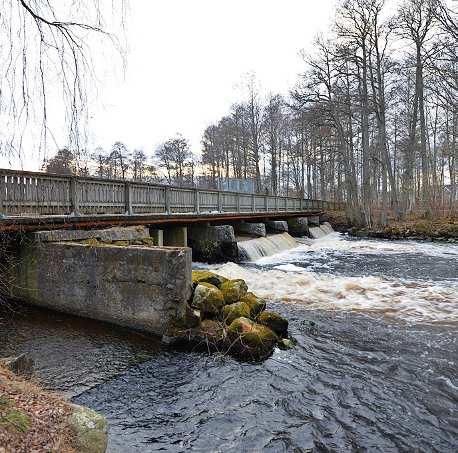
(33, 223)
(31, 200)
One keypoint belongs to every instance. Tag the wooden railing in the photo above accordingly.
(30, 194)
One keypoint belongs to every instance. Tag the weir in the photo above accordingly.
(253, 249)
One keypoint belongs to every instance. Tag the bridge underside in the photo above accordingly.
(24, 223)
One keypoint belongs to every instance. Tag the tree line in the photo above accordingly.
(372, 121)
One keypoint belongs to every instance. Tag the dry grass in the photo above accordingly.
(31, 419)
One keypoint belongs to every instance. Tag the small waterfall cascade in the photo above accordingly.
(253, 249)
(322, 230)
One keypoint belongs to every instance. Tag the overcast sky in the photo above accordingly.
(186, 61)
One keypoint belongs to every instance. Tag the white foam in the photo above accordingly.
(255, 249)
(407, 300)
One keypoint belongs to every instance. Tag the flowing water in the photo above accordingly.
(375, 367)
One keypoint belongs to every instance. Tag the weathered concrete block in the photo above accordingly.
(109, 234)
(314, 220)
(176, 236)
(136, 287)
(158, 236)
(254, 229)
(213, 243)
(277, 226)
(221, 233)
(298, 226)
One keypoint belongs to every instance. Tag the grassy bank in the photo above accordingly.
(32, 419)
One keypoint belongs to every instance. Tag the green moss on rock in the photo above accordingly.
(275, 322)
(236, 310)
(208, 299)
(251, 341)
(90, 429)
(256, 304)
(233, 290)
(208, 277)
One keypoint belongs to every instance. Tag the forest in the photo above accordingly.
(372, 121)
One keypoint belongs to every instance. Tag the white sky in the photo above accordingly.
(186, 61)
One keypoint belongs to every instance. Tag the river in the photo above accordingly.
(375, 367)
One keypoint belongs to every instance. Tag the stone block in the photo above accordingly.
(110, 234)
(298, 226)
(136, 287)
(314, 220)
(158, 236)
(253, 229)
(213, 243)
(176, 236)
(277, 226)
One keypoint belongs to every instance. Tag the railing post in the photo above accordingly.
(266, 207)
(220, 206)
(128, 197)
(286, 203)
(301, 204)
(74, 201)
(276, 203)
(197, 200)
(167, 199)
(2, 196)
(253, 205)
(237, 200)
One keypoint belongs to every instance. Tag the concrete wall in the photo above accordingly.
(138, 287)
(213, 243)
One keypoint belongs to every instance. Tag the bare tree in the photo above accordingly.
(45, 59)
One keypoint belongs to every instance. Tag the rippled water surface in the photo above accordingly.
(375, 368)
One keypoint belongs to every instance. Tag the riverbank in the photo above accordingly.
(443, 230)
(33, 419)
(373, 320)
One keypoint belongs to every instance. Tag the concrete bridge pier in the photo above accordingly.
(257, 229)
(277, 226)
(213, 243)
(298, 226)
(175, 236)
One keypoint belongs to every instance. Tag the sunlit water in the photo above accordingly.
(375, 368)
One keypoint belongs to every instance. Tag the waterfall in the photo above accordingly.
(322, 230)
(253, 249)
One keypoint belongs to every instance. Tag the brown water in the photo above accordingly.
(358, 380)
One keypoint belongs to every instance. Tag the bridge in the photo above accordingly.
(36, 200)
(138, 276)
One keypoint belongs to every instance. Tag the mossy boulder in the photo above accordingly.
(233, 290)
(208, 299)
(256, 304)
(275, 322)
(90, 429)
(236, 310)
(208, 277)
(251, 341)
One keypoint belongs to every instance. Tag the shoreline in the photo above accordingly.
(443, 230)
(34, 418)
